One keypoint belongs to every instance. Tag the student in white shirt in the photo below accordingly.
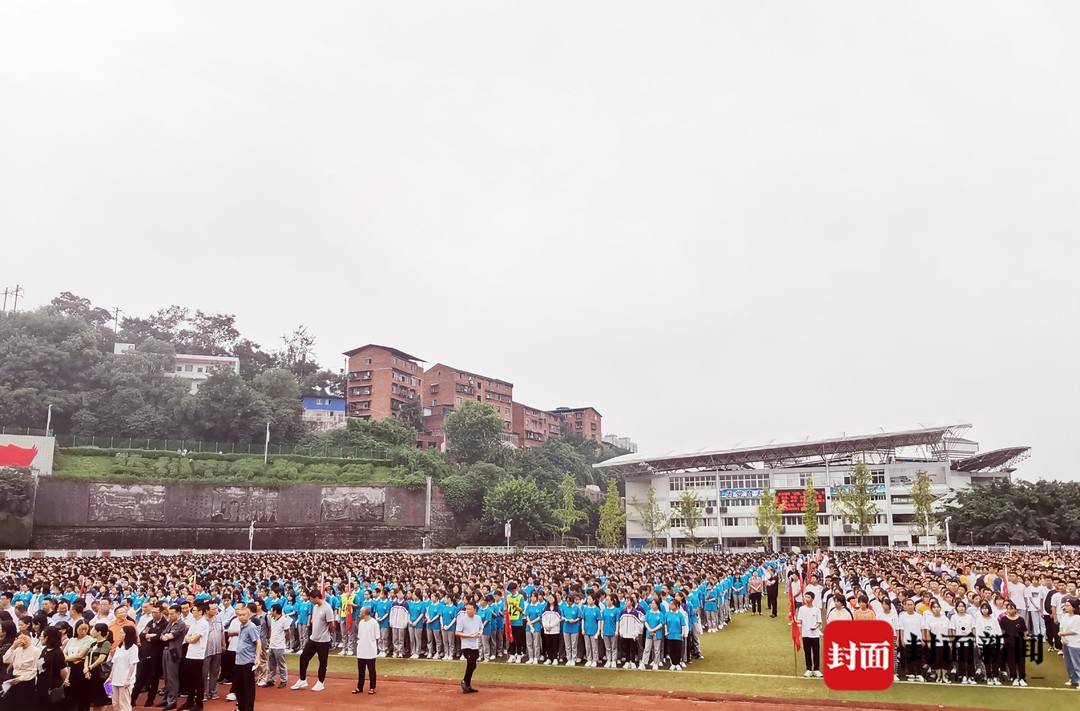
(278, 625)
(988, 637)
(936, 638)
(809, 620)
(1069, 631)
(963, 637)
(909, 637)
(367, 649)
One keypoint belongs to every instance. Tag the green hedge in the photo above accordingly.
(214, 456)
(168, 467)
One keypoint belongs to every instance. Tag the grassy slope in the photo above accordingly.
(77, 466)
(757, 645)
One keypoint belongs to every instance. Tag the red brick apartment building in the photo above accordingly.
(380, 381)
(446, 388)
(533, 426)
(584, 421)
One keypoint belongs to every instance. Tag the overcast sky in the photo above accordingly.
(719, 223)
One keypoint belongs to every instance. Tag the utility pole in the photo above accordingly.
(6, 292)
(18, 290)
(116, 319)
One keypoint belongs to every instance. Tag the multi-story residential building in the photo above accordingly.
(533, 426)
(584, 421)
(380, 381)
(621, 442)
(446, 388)
(730, 483)
(323, 412)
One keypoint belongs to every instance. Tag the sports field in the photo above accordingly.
(753, 657)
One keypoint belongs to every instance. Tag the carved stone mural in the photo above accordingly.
(353, 503)
(235, 504)
(128, 503)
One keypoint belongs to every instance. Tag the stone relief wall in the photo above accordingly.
(127, 503)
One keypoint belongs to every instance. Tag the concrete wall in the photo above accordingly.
(75, 513)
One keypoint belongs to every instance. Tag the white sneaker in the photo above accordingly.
(1023, 682)
(414, 656)
(381, 655)
(230, 696)
(571, 662)
(300, 684)
(808, 673)
(641, 667)
(318, 686)
(628, 665)
(817, 674)
(656, 667)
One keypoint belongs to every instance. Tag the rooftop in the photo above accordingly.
(395, 351)
(778, 453)
(466, 372)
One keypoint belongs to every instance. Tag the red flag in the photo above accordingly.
(796, 637)
(1005, 584)
(509, 629)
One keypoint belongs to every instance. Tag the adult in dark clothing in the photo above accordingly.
(772, 587)
(53, 673)
(151, 651)
(1014, 640)
(173, 637)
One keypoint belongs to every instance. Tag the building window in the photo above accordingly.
(187, 368)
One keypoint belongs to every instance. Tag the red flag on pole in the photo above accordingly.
(509, 628)
(796, 638)
(1005, 584)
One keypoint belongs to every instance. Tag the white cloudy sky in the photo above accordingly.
(718, 222)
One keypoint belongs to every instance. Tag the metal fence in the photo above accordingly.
(193, 445)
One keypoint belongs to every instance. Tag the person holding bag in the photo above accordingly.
(94, 670)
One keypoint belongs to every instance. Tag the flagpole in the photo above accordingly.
(266, 449)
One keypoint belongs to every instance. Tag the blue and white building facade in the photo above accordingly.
(324, 412)
(729, 484)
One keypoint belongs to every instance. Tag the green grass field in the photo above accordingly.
(754, 657)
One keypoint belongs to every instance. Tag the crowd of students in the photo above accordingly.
(188, 624)
(962, 617)
(597, 609)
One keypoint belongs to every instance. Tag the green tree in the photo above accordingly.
(769, 518)
(281, 396)
(229, 410)
(549, 462)
(68, 304)
(654, 519)
(297, 354)
(412, 414)
(612, 526)
(464, 490)
(521, 501)
(472, 433)
(810, 511)
(856, 501)
(923, 500)
(689, 509)
(568, 514)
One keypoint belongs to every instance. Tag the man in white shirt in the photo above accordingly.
(469, 630)
(809, 620)
(232, 633)
(278, 624)
(1036, 596)
(367, 649)
(814, 588)
(192, 666)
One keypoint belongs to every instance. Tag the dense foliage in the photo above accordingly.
(1017, 512)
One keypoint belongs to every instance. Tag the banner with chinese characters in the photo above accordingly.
(874, 489)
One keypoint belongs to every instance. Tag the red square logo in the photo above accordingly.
(858, 655)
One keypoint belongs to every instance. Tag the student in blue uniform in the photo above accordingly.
(654, 636)
(571, 627)
(675, 625)
(590, 629)
(610, 621)
(533, 627)
(417, 608)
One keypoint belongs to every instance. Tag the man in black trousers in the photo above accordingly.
(151, 649)
(772, 588)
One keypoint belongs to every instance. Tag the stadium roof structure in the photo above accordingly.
(778, 455)
(994, 460)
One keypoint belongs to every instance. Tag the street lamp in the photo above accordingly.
(948, 540)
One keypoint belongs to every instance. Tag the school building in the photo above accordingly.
(729, 484)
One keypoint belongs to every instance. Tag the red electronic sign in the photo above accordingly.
(793, 501)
